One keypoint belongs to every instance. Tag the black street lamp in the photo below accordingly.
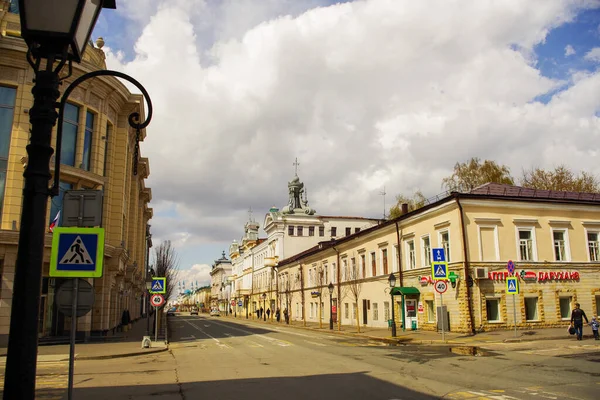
(264, 296)
(330, 287)
(56, 33)
(148, 288)
(392, 281)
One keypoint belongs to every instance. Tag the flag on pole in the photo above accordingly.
(54, 222)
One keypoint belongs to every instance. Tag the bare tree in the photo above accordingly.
(166, 264)
(321, 285)
(354, 285)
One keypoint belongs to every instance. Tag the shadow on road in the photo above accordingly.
(357, 386)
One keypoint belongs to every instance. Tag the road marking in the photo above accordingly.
(221, 345)
(315, 343)
(274, 341)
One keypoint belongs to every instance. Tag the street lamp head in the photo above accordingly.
(59, 31)
(148, 282)
(392, 280)
(330, 287)
(264, 295)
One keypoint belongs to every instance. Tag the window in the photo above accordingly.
(56, 202)
(531, 308)
(333, 231)
(348, 231)
(7, 105)
(363, 265)
(312, 309)
(445, 243)
(493, 310)
(426, 246)
(386, 310)
(560, 245)
(300, 231)
(346, 311)
(430, 311)
(526, 244)
(87, 141)
(290, 231)
(410, 255)
(311, 231)
(384, 261)
(334, 272)
(345, 270)
(594, 246)
(373, 264)
(565, 307)
(354, 271)
(69, 134)
(356, 230)
(375, 312)
(321, 231)
(106, 142)
(488, 250)
(325, 271)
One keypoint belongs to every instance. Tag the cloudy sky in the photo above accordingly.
(366, 94)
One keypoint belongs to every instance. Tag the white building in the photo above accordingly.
(220, 288)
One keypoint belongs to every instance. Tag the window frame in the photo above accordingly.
(300, 231)
(425, 253)
(498, 309)
(291, 230)
(321, 231)
(431, 317)
(4, 170)
(373, 263)
(383, 253)
(530, 228)
(570, 298)
(447, 251)
(77, 124)
(410, 263)
(537, 308)
(88, 131)
(596, 232)
(567, 244)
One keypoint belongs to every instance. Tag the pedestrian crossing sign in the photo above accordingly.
(77, 252)
(159, 286)
(512, 285)
(439, 270)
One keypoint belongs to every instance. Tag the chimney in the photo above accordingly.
(404, 208)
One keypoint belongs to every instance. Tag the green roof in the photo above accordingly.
(404, 290)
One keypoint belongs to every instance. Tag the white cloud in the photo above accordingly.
(365, 94)
(593, 54)
(569, 50)
(198, 275)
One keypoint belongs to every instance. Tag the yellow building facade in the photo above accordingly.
(553, 239)
(97, 154)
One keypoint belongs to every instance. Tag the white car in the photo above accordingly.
(215, 313)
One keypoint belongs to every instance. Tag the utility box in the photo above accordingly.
(443, 311)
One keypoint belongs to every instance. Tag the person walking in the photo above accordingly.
(268, 313)
(595, 325)
(577, 316)
(278, 314)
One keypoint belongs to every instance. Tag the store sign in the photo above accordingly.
(421, 308)
(314, 295)
(532, 276)
(428, 280)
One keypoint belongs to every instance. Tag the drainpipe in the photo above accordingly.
(339, 290)
(302, 293)
(400, 280)
(467, 263)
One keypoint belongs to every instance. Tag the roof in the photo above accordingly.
(404, 290)
(504, 190)
(344, 217)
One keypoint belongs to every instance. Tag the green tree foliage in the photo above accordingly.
(561, 178)
(416, 201)
(473, 173)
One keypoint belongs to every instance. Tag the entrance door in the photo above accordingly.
(365, 312)
(411, 313)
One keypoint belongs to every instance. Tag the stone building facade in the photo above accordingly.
(553, 238)
(98, 154)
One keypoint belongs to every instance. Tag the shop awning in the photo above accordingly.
(405, 290)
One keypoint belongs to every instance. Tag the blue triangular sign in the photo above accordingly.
(440, 271)
(512, 287)
(157, 286)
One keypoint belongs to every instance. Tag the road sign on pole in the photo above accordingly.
(510, 266)
(85, 297)
(77, 252)
(157, 300)
(439, 270)
(512, 287)
(159, 285)
(441, 287)
(438, 255)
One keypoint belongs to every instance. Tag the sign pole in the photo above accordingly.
(442, 309)
(156, 327)
(72, 341)
(515, 313)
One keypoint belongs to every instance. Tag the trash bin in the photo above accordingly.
(413, 325)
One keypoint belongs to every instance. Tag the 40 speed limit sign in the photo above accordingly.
(157, 300)
(441, 287)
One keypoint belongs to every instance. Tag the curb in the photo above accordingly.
(123, 355)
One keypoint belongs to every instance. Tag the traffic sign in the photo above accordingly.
(77, 252)
(438, 255)
(439, 270)
(85, 298)
(512, 285)
(240, 303)
(441, 287)
(157, 300)
(510, 267)
(159, 286)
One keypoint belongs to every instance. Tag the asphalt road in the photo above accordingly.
(217, 358)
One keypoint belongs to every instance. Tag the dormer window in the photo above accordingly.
(290, 230)
(300, 231)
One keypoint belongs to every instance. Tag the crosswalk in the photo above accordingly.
(526, 393)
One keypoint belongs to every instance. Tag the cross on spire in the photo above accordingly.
(250, 214)
(295, 164)
(383, 193)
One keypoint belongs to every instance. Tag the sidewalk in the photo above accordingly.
(429, 337)
(123, 344)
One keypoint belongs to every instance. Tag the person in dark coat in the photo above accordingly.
(577, 316)
(278, 314)
(286, 316)
(261, 312)
(268, 313)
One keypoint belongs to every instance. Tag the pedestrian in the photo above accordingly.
(595, 325)
(278, 314)
(262, 310)
(577, 316)
(268, 313)
(286, 316)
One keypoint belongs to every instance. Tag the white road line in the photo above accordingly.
(277, 342)
(222, 345)
(315, 343)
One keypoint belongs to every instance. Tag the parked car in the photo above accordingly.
(194, 311)
(215, 312)
(171, 311)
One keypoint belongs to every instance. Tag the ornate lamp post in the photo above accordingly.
(264, 297)
(392, 282)
(56, 33)
(330, 287)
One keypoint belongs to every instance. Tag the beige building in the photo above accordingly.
(97, 153)
(552, 238)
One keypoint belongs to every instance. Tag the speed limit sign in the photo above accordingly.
(441, 286)
(157, 300)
